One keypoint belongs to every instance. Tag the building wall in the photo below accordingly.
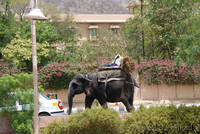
(84, 31)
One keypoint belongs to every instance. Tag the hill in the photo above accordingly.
(90, 6)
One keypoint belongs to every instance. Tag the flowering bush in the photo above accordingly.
(169, 72)
(7, 69)
(104, 61)
(58, 75)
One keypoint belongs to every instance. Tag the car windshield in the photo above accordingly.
(45, 97)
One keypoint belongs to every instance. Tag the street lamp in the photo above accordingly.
(35, 14)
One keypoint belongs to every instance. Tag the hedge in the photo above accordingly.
(163, 120)
(98, 121)
(154, 120)
(8, 69)
(58, 75)
(169, 72)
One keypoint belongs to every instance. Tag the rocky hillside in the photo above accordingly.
(90, 6)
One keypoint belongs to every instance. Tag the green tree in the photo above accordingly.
(65, 29)
(135, 30)
(110, 43)
(166, 20)
(7, 30)
(18, 87)
(132, 33)
(45, 31)
(166, 25)
(188, 49)
(19, 51)
(5, 7)
(20, 7)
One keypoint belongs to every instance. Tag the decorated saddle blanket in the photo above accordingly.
(109, 75)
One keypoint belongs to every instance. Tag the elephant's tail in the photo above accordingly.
(134, 82)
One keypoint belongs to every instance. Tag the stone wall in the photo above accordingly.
(154, 93)
(168, 92)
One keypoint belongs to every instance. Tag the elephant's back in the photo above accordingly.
(107, 74)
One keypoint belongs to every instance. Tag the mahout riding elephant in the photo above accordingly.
(105, 86)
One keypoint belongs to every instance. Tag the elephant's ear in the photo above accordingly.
(88, 89)
(75, 84)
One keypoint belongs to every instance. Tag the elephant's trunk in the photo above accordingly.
(71, 94)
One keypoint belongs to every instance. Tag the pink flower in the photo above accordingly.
(59, 74)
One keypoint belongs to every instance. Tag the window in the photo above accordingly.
(93, 31)
(115, 28)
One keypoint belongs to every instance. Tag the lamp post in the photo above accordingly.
(35, 14)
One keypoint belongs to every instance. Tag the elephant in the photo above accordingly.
(118, 88)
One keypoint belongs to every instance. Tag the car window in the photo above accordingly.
(45, 96)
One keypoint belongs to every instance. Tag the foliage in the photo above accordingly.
(109, 43)
(157, 120)
(132, 33)
(20, 7)
(166, 20)
(19, 51)
(162, 120)
(188, 49)
(5, 7)
(22, 121)
(45, 31)
(18, 88)
(58, 75)
(171, 31)
(99, 121)
(8, 69)
(169, 72)
(7, 30)
(87, 52)
(65, 29)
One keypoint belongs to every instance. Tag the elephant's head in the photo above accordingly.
(79, 84)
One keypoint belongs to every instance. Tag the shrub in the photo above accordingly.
(8, 69)
(58, 75)
(13, 88)
(164, 119)
(168, 72)
(19, 52)
(98, 121)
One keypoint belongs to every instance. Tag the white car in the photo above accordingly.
(47, 106)
(50, 107)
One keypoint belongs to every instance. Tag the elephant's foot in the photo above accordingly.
(105, 105)
(133, 108)
(129, 109)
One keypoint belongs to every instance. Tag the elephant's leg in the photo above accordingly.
(102, 101)
(130, 100)
(127, 105)
(88, 101)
